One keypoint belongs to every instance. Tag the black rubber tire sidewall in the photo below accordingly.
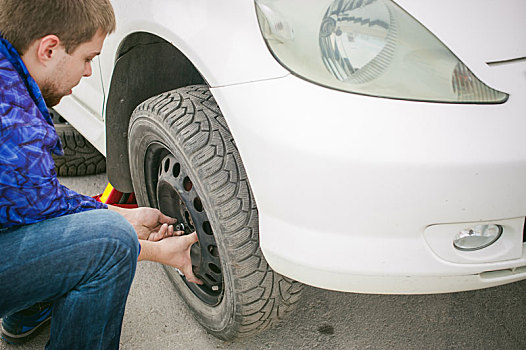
(145, 131)
(80, 157)
(189, 124)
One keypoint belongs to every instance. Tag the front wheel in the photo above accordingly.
(183, 161)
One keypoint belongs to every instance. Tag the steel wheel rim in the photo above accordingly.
(171, 189)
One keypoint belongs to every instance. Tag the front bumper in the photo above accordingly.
(347, 185)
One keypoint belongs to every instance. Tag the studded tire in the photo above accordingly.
(182, 133)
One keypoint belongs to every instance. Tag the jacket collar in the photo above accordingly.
(10, 53)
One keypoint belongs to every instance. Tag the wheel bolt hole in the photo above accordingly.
(176, 170)
(187, 183)
(207, 228)
(214, 268)
(167, 165)
(211, 278)
(198, 205)
(212, 249)
(189, 221)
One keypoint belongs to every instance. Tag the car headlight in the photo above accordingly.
(370, 47)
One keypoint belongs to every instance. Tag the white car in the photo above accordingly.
(369, 146)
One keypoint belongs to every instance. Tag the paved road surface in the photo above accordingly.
(488, 319)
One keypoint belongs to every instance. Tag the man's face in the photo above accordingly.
(68, 69)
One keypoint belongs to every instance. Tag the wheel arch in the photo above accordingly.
(145, 65)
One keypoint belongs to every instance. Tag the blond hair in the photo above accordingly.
(73, 21)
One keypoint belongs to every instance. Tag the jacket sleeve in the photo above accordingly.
(29, 189)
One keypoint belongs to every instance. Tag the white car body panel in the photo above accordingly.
(221, 62)
(225, 57)
(84, 108)
(358, 193)
(350, 194)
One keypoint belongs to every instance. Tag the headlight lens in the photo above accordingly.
(370, 47)
(357, 42)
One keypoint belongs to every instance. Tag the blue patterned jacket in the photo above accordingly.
(29, 188)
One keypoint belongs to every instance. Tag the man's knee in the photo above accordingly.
(116, 226)
(114, 250)
(48, 260)
(112, 234)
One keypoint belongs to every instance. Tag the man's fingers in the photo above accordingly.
(166, 219)
(157, 236)
(190, 277)
(164, 231)
(188, 272)
(191, 238)
(195, 280)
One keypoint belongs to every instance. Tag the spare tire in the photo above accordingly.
(80, 157)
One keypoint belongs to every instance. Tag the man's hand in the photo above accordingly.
(158, 239)
(149, 223)
(173, 251)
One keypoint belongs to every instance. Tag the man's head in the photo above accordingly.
(57, 39)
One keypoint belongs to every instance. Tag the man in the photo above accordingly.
(62, 255)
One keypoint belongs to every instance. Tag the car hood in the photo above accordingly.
(475, 29)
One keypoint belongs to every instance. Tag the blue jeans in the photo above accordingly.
(83, 263)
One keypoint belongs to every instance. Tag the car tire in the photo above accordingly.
(80, 157)
(184, 161)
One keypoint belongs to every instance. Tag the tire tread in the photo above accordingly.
(80, 157)
(263, 296)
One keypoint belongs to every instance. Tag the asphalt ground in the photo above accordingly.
(156, 318)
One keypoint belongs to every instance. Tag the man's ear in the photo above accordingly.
(47, 48)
